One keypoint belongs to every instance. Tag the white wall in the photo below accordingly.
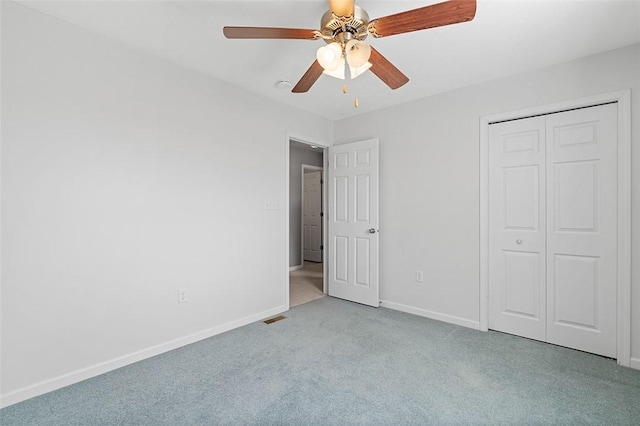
(125, 178)
(429, 191)
(298, 157)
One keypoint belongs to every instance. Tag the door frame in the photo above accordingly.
(290, 136)
(623, 306)
(317, 169)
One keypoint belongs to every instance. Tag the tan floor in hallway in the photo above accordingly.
(305, 284)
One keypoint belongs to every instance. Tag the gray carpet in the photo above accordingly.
(333, 362)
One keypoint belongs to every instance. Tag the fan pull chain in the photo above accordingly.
(355, 100)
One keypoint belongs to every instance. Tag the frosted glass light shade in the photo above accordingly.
(338, 72)
(343, 8)
(357, 53)
(356, 71)
(330, 56)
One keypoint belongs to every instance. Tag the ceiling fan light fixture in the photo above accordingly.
(356, 71)
(357, 53)
(330, 56)
(342, 8)
(337, 72)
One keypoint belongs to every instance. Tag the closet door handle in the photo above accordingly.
(518, 241)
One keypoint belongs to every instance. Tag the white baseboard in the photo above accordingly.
(634, 363)
(295, 268)
(104, 367)
(432, 315)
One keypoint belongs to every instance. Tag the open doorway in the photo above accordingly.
(306, 233)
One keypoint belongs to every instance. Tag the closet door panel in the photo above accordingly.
(582, 229)
(516, 228)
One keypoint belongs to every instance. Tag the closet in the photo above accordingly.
(553, 228)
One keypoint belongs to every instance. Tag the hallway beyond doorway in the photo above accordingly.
(305, 284)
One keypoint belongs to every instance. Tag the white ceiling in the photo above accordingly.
(505, 38)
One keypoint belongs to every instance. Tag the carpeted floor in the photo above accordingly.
(332, 362)
(305, 284)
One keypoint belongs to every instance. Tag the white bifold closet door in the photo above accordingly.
(553, 228)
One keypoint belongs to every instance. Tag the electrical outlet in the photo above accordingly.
(269, 205)
(182, 295)
(419, 276)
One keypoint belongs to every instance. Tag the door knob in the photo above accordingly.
(373, 230)
(518, 241)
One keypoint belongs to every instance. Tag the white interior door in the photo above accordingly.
(353, 222)
(582, 229)
(312, 217)
(553, 228)
(517, 223)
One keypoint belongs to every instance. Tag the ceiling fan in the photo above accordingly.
(345, 26)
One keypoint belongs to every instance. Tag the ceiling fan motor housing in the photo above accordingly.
(337, 29)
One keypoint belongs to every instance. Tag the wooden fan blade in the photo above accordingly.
(435, 15)
(386, 71)
(313, 73)
(265, 32)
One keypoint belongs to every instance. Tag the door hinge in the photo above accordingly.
(321, 247)
(321, 214)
